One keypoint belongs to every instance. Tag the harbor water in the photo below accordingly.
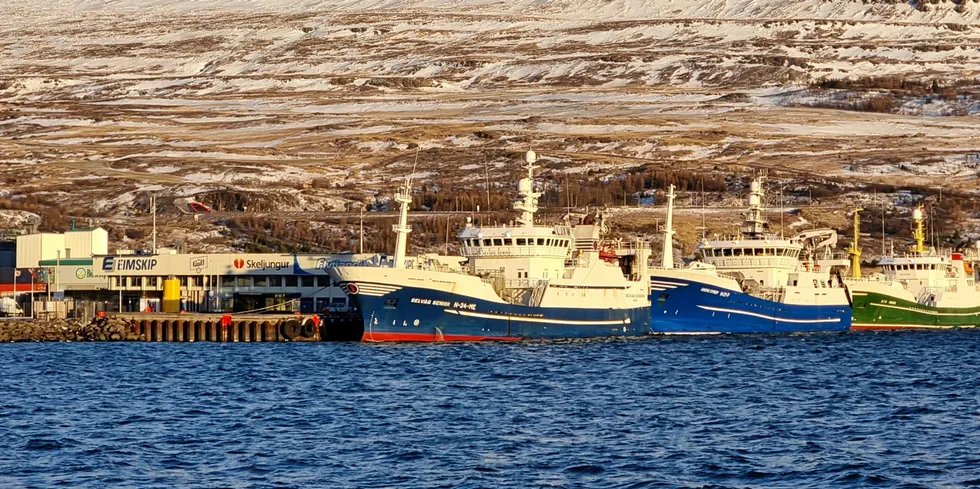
(859, 409)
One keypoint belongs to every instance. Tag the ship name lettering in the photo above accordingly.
(715, 292)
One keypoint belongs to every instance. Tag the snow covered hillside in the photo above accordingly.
(314, 105)
(599, 10)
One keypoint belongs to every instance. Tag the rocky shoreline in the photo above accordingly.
(99, 329)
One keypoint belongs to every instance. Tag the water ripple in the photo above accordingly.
(824, 410)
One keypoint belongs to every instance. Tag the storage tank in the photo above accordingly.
(171, 295)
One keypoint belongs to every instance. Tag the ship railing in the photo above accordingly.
(537, 294)
(580, 261)
(775, 294)
(925, 292)
(518, 283)
(504, 251)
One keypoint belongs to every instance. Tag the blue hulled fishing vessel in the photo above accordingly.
(753, 282)
(511, 283)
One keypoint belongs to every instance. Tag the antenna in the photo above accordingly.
(704, 225)
(408, 183)
(782, 211)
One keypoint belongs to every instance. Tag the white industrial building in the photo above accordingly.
(76, 265)
(32, 249)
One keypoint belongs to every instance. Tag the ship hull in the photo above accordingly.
(873, 310)
(405, 313)
(682, 306)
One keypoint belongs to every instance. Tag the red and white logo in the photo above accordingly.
(352, 288)
(239, 263)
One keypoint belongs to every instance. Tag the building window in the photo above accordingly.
(244, 282)
(227, 281)
(323, 281)
(275, 281)
(260, 281)
(199, 281)
(136, 281)
(306, 281)
(291, 281)
(183, 281)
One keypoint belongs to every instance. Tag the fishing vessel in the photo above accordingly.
(921, 289)
(755, 281)
(515, 282)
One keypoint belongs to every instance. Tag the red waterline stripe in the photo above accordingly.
(376, 336)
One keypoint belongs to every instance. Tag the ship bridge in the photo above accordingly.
(516, 242)
(755, 253)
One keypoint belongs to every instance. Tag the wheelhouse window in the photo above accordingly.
(521, 242)
(508, 242)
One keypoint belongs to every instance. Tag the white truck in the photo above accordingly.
(9, 308)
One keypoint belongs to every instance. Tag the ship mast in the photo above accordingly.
(668, 254)
(755, 223)
(404, 199)
(855, 249)
(918, 233)
(528, 205)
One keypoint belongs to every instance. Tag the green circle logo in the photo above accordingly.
(80, 273)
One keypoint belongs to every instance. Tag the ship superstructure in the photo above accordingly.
(755, 281)
(516, 281)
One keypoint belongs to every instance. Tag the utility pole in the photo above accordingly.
(153, 210)
(486, 170)
(33, 271)
(447, 234)
(782, 212)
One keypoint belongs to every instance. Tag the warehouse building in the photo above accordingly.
(237, 282)
(76, 266)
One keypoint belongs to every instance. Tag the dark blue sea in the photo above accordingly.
(827, 410)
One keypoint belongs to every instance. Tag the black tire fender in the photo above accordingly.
(290, 329)
(308, 330)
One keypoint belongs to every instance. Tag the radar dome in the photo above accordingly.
(524, 185)
(917, 214)
(530, 157)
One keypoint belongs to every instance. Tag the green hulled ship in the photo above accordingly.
(923, 289)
